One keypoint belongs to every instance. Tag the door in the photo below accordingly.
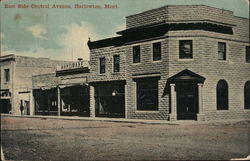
(5, 105)
(186, 101)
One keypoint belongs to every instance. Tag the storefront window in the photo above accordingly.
(147, 94)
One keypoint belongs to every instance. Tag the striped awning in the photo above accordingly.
(5, 94)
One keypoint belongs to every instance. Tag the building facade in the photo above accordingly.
(16, 81)
(171, 63)
(64, 91)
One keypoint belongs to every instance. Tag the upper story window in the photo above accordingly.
(102, 63)
(7, 75)
(248, 54)
(116, 63)
(147, 94)
(185, 49)
(221, 51)
(136, 54)
(222, 95)
(157, 51)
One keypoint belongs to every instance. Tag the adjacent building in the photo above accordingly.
(16, 81)
(65, 91)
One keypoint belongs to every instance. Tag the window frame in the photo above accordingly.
(222, 95)
(181, 54)
(133, 51)
(153, 91)
(114, 63)
(7, 75)
(157, 54)
(224, 52)
(247, 54)
(102, 66)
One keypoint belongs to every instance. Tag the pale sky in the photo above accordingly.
(63, 33)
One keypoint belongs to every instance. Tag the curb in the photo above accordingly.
(123, 120)
(120, 120)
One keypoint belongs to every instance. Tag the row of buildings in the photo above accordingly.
(170, 63)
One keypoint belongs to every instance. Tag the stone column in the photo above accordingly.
(126, 105)
(59, 101)
(200, 115)
(173, 115)
(32, 103)
(92, 100)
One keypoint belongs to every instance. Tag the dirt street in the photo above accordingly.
(56, 139)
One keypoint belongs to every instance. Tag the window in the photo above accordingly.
(157, 51)
(185, 49)
(222, 95)
(116, 63)
(221, 51)
(147, 94)
(247, 95)
(248, 54)
(136, 54)
(7, 75)
(102, 65)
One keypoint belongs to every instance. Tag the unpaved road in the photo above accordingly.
(56, 139)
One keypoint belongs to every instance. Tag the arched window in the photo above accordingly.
(222, 95)
(247, 95)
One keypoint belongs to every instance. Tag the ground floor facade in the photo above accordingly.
(185, 95)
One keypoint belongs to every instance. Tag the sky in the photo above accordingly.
(62, 33)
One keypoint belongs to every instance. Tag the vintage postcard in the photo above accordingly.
(125, 80)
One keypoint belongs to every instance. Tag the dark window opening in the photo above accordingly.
(102, 65)
(116, 59)
(157, 51)
(185, 49)
(222, 95)
(221, 51)
(247, 95)
(248, 54)
(136, 54)
(7, 75)
(147, 94)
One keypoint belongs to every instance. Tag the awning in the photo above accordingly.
(71, 85)
(146, 75)
(5, 94)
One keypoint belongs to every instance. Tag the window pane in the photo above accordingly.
(222, 95)
(248, 54)
(102, 65)
(136, 54)
(221, 51)
(7, 74)
(147, 95)
(247, 95)
(157, 51)
(116, 62)
(185, 49)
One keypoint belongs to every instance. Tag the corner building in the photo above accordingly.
(176, 63)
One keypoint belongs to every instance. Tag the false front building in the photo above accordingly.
(174, 62)
(64, 91)
(16, 81)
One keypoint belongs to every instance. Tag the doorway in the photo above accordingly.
(5, 105)
(187, 101)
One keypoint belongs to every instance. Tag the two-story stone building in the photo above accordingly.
(173, 62)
